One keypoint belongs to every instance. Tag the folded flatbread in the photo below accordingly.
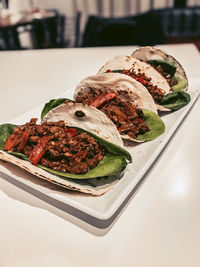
(21, 146)
(163, 87)
(131, 107)
(87, 118)
(155, 56)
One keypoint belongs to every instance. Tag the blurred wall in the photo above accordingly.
(107, 8)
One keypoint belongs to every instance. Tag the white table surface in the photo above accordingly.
(160, 225)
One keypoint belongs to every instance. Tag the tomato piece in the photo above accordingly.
(102, 99)
(71, 131)
(81, 154)
(141, 80)
(107, 71)
(138, 121)
(121, 114)
(12, 141)
(39, 150)
(24, 140)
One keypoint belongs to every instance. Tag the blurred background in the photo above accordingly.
(40, 24)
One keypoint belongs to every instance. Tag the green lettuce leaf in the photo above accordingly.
(175, 100)
(168, 66)
(110, 165)
(155, 124)
(5, 131)
(113, 163)
(52, 104)
(180, 86)
(116, 71)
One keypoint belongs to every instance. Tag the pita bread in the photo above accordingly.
(137, 93)
(94, 186)
(131, 63)
(92, 120)
(153, 53)
(117, 82)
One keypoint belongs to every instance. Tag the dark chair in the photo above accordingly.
(101, 31)
(159, 26)
(77, 29)
(179, 24)
(48, 32)
(45, 33)
(57, 32)
(9, 38)
(150, 30)
(132, 30)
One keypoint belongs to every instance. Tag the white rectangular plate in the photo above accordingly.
(102, 210)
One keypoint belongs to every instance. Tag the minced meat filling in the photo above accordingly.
(156, 92)
(127, 117)
(170, 81)
(62, 149)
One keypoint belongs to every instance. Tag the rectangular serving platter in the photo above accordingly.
(102, 210)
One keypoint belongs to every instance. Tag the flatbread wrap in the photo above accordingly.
(166, 64)
(79, 115)
(125, 101)
(166, 89)
(70, 157)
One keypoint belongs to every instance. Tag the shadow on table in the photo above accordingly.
(32, 196)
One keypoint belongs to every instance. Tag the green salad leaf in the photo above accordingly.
(168, 66)
(175, 100)
(5, 131)
(180, 86)
(113, 163)
(52, 104)
(110, 165)
(155, 124)
(117, 71)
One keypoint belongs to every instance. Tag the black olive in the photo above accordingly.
(79, 113)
